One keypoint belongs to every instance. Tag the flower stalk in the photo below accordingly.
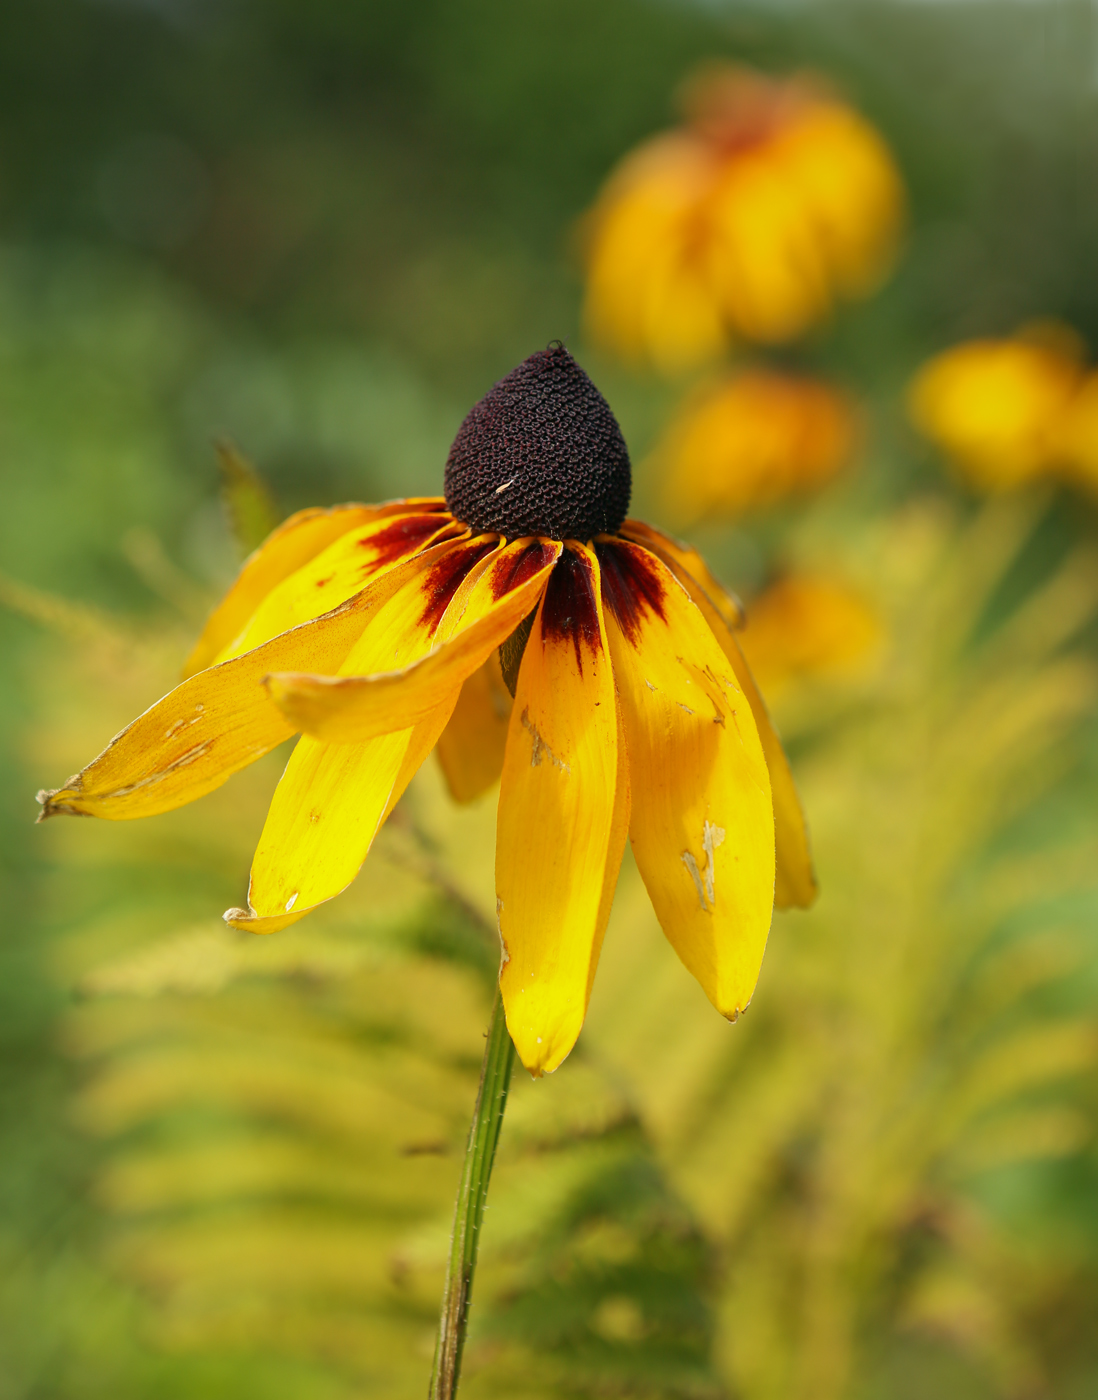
(476, 1172)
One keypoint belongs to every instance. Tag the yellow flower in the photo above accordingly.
(999, 407)
(372, 629)
(749, 222)
(752, 439)
(1076, 447)
(808, 625)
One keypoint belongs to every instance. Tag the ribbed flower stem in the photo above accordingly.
(480, 1153)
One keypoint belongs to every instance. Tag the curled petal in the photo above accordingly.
(352, 708)
(558, 840)
(288, 548)
(702, 822)
(341, 571)
(219, 721)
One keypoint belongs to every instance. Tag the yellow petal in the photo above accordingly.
(297, 540)
(333, 797)
(340, 571)
(327, 809)
(682, 556)
(470, 748)
(353, 708)
(555, 833)
(219, 721)
(702, 821)
(795, 884)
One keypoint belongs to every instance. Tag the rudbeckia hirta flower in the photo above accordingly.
(375, 630)
(748, 223)
(809, 624)
(998, 407)
(751, 439)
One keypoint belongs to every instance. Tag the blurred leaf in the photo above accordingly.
(249, 504)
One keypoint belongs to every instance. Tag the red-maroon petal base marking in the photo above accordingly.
(513, 573)
(402, 536)
(631, 585)
(443, 578)
(570, 608)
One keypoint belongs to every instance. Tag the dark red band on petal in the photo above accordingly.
(631, 585)
(571, 609)
(402, 536)
(514, 571)
(442, 579)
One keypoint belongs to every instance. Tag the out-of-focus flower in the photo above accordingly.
(771, 201)
(1077, 436)
(366, 629)
(808, 625)
(1003, 410)
(752, 439)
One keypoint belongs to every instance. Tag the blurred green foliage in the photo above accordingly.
(321, 232)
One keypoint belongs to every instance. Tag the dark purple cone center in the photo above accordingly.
(541, 454)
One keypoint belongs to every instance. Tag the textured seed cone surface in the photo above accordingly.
(541, 454)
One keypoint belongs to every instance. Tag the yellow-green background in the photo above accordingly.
(324, 230)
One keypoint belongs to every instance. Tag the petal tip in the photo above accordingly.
(53, 803)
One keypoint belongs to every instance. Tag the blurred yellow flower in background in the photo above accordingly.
(997, 407)
(751, 439)
(807, 625)
(748, 222)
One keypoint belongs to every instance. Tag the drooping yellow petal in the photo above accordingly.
(795, 884)
(333, 797)
(219, 721)
(327, 809)
(702, 820)
(353, 708)
(340, 571)
(685, 557)
(295, 542)
(556, 822)
(470, 749)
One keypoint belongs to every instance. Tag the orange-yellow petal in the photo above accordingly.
(327, 809)
(470, 749)
(288, 548)
(702, 822)
(340, 571)
(556, 828)
(333, 797)
(219, 721)
(795, 883)
(685, 557)
(353, 708)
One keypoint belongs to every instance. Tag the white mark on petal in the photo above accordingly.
(705, 878)
(539, 748)
(687, 708)
(292, 900)
(649, 684)
(505, 956)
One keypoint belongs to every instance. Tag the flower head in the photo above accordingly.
(750, 440)
(807, 624)
(374, 631)
(997, 406)
(773, 200)
(1012, 410)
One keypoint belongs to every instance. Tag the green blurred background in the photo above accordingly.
(323, 231)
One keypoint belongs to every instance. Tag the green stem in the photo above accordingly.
(480, 1153)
